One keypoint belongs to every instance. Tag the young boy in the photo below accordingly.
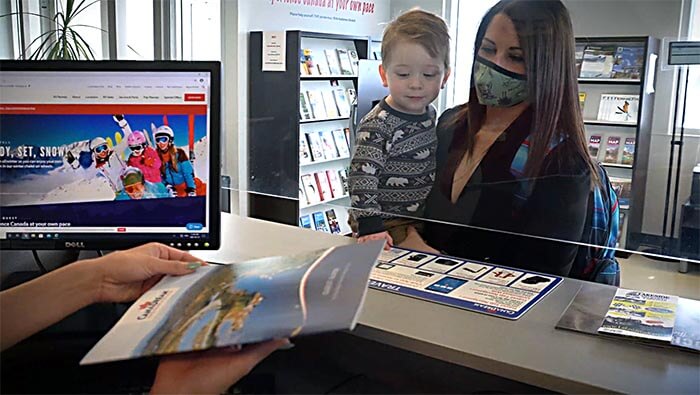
(393, 166)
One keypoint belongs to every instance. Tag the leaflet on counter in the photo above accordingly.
(640, 314)
(241, 303)
(469, 285)
(642, 317)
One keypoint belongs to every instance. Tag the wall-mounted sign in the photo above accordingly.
(274, 49)
(683, 53)
(349, 17)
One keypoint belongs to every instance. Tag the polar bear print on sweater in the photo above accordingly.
(397, 182)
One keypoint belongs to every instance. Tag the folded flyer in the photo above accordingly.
(640, 314)
(686, 330)
(241, 303)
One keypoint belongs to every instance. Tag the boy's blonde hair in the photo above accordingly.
(422, 27)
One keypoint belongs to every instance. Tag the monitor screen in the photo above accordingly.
(109, 154)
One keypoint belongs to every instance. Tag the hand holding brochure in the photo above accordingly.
(241, 303)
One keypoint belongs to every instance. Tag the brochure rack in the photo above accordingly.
(294, 108)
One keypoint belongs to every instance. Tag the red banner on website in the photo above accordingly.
(134, 109)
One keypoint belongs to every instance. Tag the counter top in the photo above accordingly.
(529, 350)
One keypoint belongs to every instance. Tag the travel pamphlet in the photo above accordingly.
(646, 315)
(623, 190)
(241, 303)
(642, 317)
(618, 108)
(686, 329)
(628, 151)
(629, 62)
(594, 146)
(612, 150)
(466, 284)
(597, 62)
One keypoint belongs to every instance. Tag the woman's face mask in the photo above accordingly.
(498, 87)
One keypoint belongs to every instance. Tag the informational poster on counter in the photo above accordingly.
(485, 288)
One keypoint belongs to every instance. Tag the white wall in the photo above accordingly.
(399, 6)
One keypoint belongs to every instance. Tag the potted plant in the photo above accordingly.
(62, 41)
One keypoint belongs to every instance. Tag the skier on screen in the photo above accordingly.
(144, 157)
(137, 187)
(176, 169)
(107, 162)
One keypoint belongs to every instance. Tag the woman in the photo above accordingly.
(513, 162)
(144, 157)
(120, 277)
(176, 169)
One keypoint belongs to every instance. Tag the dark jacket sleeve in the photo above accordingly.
(554, 216)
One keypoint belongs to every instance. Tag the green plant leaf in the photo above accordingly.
(63, 42)
(79, 10)
(69, 7)
(82, 45)
(46, 46)
(90, 27)
(134, 51)
(70, 50)
(52, 54)
(42, 43)
(26, 13)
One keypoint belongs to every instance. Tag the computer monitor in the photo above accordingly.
(109, 154)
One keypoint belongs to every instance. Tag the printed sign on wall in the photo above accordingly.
(274, 49)
(350, 17)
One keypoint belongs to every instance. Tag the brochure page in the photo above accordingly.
(594, 307)
(686, 330)
(485, 288)
(240, 303)
(640, 314)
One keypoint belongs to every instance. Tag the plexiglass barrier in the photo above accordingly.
(550, 254)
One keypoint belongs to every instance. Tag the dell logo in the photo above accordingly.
(75, 244)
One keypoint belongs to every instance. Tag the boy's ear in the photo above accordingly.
(444, 79)
(382, 74)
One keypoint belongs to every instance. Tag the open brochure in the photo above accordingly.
(241, 303)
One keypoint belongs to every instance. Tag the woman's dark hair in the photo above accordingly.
(547, 40)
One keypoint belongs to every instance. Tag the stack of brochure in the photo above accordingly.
(645, 317)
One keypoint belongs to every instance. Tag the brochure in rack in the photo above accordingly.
(241, 303)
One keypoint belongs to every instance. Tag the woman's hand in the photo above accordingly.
(117, 277)
(414, 241)
(123, 276)
(378, 236)
(209, 372)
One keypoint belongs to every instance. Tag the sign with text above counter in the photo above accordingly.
(465, 284)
